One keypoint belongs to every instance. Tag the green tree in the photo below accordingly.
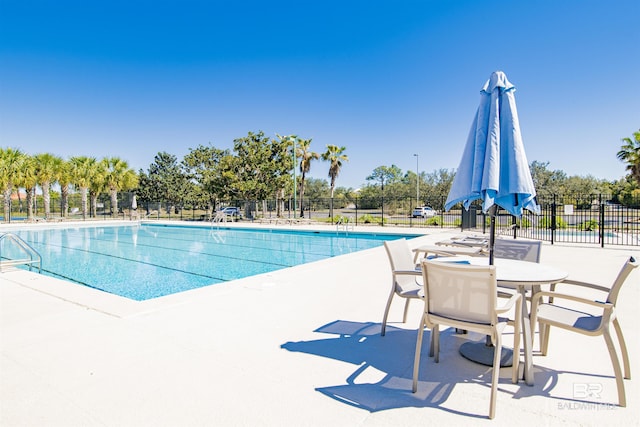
(334, 155)
(28, 180)
(257, 167)
(316, 188)
(386, 174)
(65, 179)
(48, 169)
(547, 182)
(630, 154)
(306, 157)
(284, 149)
(118, 176)
(168, 179)
(209, 167)
(83, 172)
(98, 185)
(436, 187)
(439, 181)
(11, 160)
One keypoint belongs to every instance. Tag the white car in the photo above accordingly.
(230, 210)
(423, 212)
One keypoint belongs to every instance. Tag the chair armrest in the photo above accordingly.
(509, 304)
(408, 272)
(583, 284)
(536, 298)
(433, 250)
(463, 244)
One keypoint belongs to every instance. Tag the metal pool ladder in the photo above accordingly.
(345, 223)
(32, 256)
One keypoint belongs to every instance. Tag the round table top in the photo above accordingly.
(510, 272)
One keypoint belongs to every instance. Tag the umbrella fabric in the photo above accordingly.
(134, 203)
(494, 165)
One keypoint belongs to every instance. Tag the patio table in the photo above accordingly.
(521, 276)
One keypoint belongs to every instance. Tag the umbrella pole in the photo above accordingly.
(492, 240)
(492, 231)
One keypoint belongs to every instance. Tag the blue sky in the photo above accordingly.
(386, 79)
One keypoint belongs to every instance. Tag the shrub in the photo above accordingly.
(434, 220)
(588, 225)
(369, 219)
(545, 222)
(339, 219)
(523, 222)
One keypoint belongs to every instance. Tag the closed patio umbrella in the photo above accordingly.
(494, 165)
(494, 168)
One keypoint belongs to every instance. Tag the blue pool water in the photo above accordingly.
(141, 262)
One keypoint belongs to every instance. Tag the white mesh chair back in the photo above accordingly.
(401, 259)
(627, 268)
(461, 295)
(523, 250)
(461, 291)
(406, 280)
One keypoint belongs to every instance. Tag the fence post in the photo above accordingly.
(601, 220)
(357, 200)
(553, 219)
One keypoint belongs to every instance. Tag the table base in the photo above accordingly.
(480, 352)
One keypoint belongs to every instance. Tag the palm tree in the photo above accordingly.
(284, 141)
(306, 157)
(11, 160)
(334, 156)
(64, 179)
(118, 177)
(83, 172)
(48, 169)
(29, 180)
(97, 186)
(630, 153)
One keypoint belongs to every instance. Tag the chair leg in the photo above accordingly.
(406, 310)
(495, 375)
(436, 343)
(386, 312)
(623, 348)
(416, 360)
(516, 351)
(545, 330)
(432, 342)
(622, 400)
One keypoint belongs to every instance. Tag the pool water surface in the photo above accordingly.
(147, 261)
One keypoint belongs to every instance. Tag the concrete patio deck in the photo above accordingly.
(297, 347)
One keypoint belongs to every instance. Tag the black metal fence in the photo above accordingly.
(589, 218)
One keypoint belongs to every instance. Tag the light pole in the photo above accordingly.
(417, 181)
(295, 184)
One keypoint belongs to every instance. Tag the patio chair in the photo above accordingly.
(584, 322)
(467, 241)
(523, 250)
(465, 296)
(405, 278)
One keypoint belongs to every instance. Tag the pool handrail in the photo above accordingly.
(34, 255)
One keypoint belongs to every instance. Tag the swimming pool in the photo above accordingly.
(142, 262)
